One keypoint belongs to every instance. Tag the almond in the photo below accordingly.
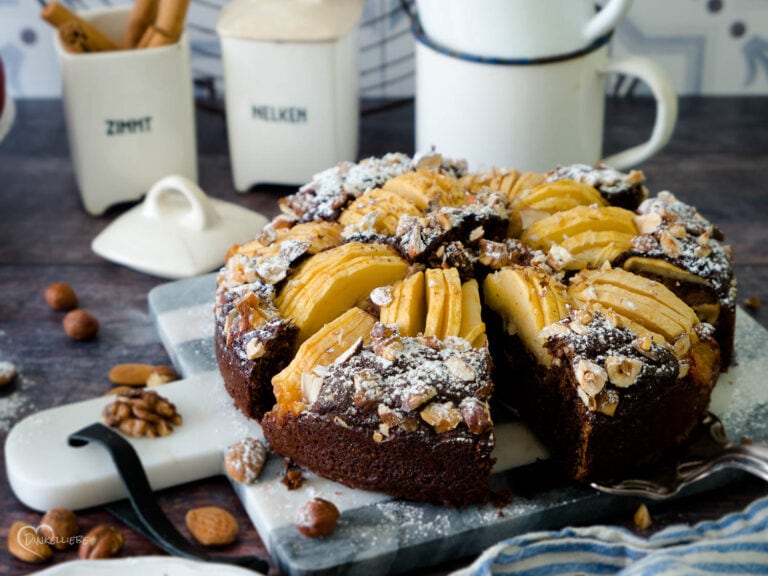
(212, 526)
(27, 545)
(61, 296)
(130, 374)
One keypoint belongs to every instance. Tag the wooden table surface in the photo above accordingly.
(718, 160)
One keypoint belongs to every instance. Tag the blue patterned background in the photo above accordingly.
(709, 47)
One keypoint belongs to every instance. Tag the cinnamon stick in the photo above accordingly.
(56, 14)
(73, 37)
(142, 16)
(168, 25)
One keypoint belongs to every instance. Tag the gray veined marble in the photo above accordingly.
(380, 535)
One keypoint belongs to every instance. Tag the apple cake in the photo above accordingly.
(375, 326)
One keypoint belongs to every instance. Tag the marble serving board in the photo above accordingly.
(376, 534)
(381, 535)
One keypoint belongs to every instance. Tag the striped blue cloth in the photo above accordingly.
(735, 544)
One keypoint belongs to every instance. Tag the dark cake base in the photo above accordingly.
(249, 382)
(428, 468)
(650, 419)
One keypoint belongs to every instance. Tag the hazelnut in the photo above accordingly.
(104, 541)
(59, 526)
(316, 518)
(80, 325)
(7, 373)
(476, 414)
(590, 376)
(623, 371)
(244, 460)
(61, 296)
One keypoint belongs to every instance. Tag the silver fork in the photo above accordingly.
(707, 451)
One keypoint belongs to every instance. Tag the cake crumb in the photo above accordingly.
(293, 477)
(642, 517)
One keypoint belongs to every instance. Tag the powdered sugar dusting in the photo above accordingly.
(605, 178)
(17, 402)
(688, 240)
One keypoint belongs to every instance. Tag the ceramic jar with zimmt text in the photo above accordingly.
(129, 114)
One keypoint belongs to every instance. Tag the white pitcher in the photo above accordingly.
(518, 28)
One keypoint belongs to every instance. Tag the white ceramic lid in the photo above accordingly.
(177, 232)
(289, 20)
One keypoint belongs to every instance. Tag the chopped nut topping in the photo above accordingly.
(367, 388)
(590, 376)
(476, 414)
(310, 387)
(416, 396)
(340, 422)
(442, 416)
(558, 257)
(622, 371)
(643, 343)
(607, 402)
(669, 244)
(647, 223)
(677, 230)
(388, 416)
(254, 349)
(460, 369)
(583, 317)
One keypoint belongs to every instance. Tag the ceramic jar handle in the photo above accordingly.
(605, 20)
(160, 203)
(666, 108)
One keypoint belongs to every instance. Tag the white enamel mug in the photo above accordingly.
(518, 28)
(530, 116)
(129, 113)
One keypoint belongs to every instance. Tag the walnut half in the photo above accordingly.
(141, 412)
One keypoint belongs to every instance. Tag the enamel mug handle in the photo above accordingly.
(666, 108)
(198, 214)
(606, 19)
